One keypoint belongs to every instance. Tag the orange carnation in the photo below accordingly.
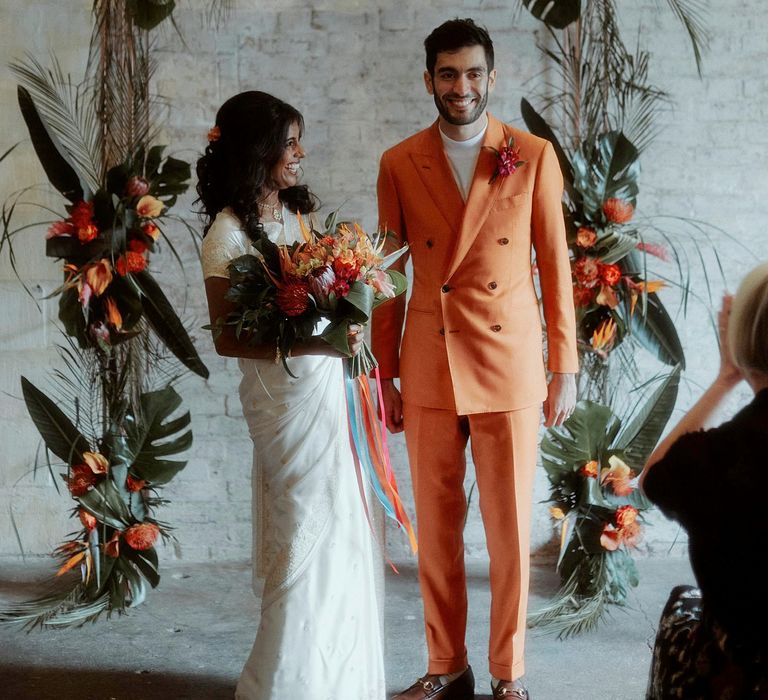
(589, 470)
(625, 515)
(142, 536)
(587, 271)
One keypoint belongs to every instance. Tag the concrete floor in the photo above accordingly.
(193, 635)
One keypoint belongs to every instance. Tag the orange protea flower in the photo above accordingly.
(589, 469)
(98, 275)
(86, 234)
(133, 484)
(60, 228)
(149, 207)
(625, 515)
(137, 186)
(81, 480)
(618, 211)
(293, 297)
(142, 536)
(610, 273)
(89, 521)
(587, 271)
(586, 237)
(130, 262)
(151, 230)
(98, 463)
(112, 548)
(604, 336)
(582, 296)
(114, 317)
(618, 475)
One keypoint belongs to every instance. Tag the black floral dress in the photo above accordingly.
(712, 642)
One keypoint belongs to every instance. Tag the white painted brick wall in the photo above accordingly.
(354, 69)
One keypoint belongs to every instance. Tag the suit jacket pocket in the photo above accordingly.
(513, 200)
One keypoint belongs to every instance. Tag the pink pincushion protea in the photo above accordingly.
(618, 211)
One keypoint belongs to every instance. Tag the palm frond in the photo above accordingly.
(691, 14)
(68, 112)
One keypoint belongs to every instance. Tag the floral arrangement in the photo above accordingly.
(592, 461)
(111, 427)
(339, 275)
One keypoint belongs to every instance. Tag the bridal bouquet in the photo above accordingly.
(283, 292)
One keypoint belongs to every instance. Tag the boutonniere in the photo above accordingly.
(507, 160)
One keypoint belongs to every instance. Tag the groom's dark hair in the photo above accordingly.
(455, 34)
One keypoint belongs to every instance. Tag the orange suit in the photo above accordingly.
(471, 365)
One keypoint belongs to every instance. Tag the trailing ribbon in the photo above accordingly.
(371, 455)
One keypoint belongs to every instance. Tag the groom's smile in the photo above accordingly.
(460, 85)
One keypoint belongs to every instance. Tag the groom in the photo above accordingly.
(470, 363)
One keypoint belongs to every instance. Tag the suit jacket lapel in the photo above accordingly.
(437, 177)
(482, 194)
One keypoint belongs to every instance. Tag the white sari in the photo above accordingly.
(319, 636)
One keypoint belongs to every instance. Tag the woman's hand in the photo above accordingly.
(728, 373)
(317, 346)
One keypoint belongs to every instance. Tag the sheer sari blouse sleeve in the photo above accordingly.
(224, 242)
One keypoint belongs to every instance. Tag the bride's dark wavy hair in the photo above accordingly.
(236, 167)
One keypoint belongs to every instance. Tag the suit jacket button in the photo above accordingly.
(492, 285)
(503, 241)
(429, 243)
(496, 328)
(445, 289)
(442, 331)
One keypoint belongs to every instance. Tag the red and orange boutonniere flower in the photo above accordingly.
(507, 160)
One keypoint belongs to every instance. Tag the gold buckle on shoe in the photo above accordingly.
(429, 686)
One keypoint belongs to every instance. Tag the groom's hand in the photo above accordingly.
(393, 405)
(561, 399)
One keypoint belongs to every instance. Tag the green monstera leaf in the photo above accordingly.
(583, 437)
(604, 170)
(153, 436)
(557, 14)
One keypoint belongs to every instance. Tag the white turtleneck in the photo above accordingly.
(462, 155)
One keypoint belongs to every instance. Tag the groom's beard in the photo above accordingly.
(465, 118)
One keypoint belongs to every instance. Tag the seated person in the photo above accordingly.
(712, 640)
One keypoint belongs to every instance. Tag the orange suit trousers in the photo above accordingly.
(504, 449)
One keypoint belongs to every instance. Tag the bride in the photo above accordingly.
(319, 634)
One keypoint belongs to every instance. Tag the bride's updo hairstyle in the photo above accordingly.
(748, 325)
(248, 140)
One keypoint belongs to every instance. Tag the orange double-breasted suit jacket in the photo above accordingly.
(473, 334)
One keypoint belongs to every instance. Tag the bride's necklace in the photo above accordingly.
(275, 209)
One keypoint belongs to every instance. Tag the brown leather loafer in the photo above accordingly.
(510, 690)
(429, 686)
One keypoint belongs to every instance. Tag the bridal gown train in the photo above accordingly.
(319, 637)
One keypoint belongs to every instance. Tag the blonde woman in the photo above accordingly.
(711, 641)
